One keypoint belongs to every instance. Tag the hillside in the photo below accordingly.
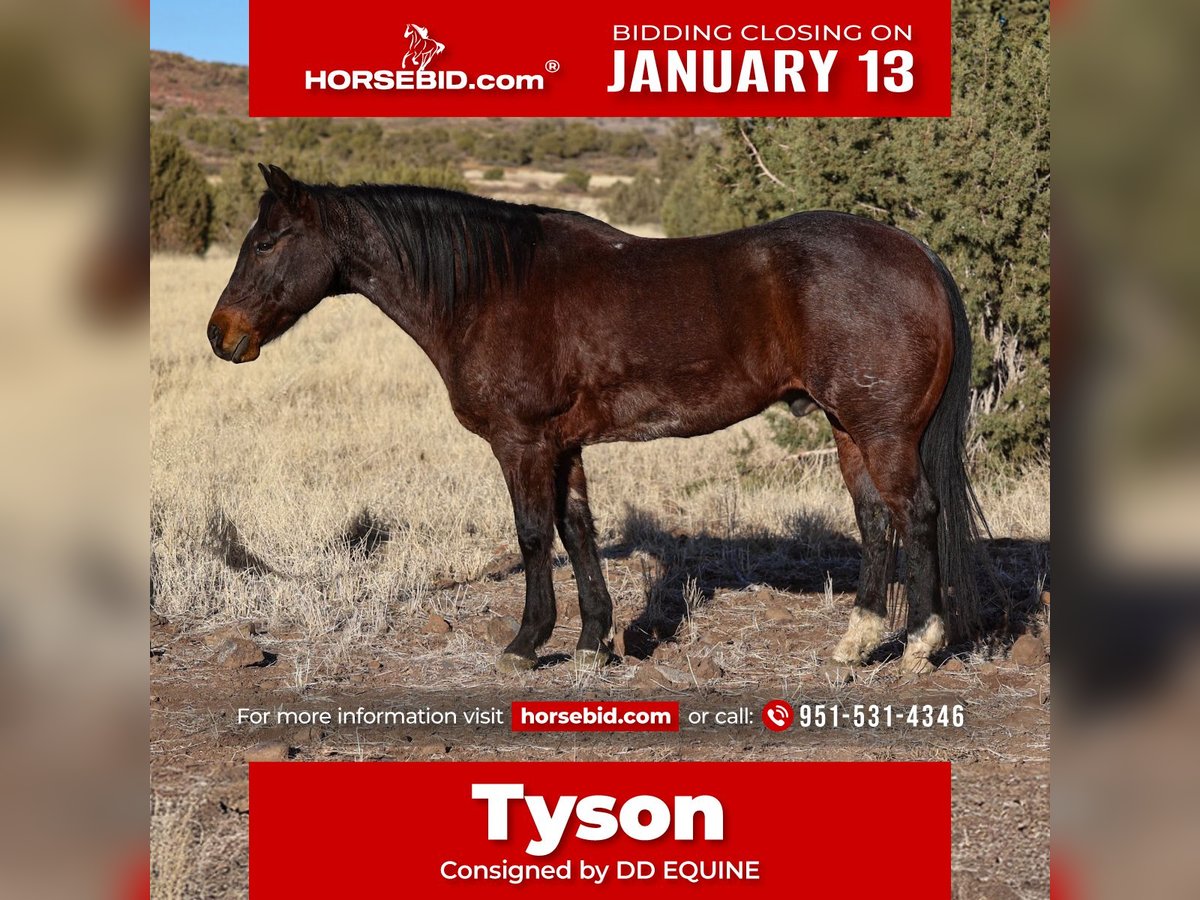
(178, 82)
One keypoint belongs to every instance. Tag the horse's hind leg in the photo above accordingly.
(895, 467)
(574, 518)
(868, 622)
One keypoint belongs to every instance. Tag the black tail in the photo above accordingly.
(961, 524)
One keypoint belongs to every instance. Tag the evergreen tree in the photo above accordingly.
(180, 205)
(974, 186)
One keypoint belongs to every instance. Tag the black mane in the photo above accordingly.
(453, 246)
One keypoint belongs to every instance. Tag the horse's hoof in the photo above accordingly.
(838, 672)
(864, 633)
(921, 645)
(591, 660)
(915, 665)
(512, 664)
(848, 655)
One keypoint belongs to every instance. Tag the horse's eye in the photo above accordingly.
(264, 246)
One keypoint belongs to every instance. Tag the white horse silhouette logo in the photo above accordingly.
(421, 47)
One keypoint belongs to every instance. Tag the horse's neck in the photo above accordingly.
(378, 276)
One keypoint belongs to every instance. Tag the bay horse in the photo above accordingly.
(553, 330)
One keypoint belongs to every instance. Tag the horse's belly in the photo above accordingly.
(646, 412)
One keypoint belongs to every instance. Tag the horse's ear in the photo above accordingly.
(279, 183)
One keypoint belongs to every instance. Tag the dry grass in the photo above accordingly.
(327, 487)
(195, 851)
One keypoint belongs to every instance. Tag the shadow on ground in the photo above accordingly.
(684, 571)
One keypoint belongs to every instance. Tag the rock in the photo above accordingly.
(229, 632)
(1045, 598)
(258, 627)
(504, 564)
(268, 751)
(779, 614)
(239, 653)
(502, 629)
(763, 596)
(435, 624)
(953, 664)
(989, 668)
(157, 621)
(1027, 650)
(706, 669)
(643, 677)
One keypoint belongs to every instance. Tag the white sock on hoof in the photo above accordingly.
(864, 634)
(922, 645)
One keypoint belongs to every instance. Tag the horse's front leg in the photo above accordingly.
(529, 472)
(595, 647)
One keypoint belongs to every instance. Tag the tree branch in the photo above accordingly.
(759, 160)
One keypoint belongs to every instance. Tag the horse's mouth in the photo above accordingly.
(240, 350)
(223, 328)
(245, 350)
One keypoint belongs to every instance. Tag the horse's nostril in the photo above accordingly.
(214, 334)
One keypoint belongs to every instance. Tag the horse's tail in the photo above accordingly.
(961, 523)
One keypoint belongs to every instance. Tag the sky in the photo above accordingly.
(217, 31)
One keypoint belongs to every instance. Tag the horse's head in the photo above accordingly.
(285, 268)
(410, 30)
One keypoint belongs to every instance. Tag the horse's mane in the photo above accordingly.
(455, 247)
(423, 32)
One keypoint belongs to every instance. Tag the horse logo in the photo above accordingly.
(421, 47)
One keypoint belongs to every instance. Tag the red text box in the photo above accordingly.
(380, 58)
(594, 715)
(769, 829)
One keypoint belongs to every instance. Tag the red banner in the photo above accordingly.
(604, 829)
(382, 58)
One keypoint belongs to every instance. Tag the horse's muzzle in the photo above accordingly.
(231, 339)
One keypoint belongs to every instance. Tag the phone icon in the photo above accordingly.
(778, 715)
